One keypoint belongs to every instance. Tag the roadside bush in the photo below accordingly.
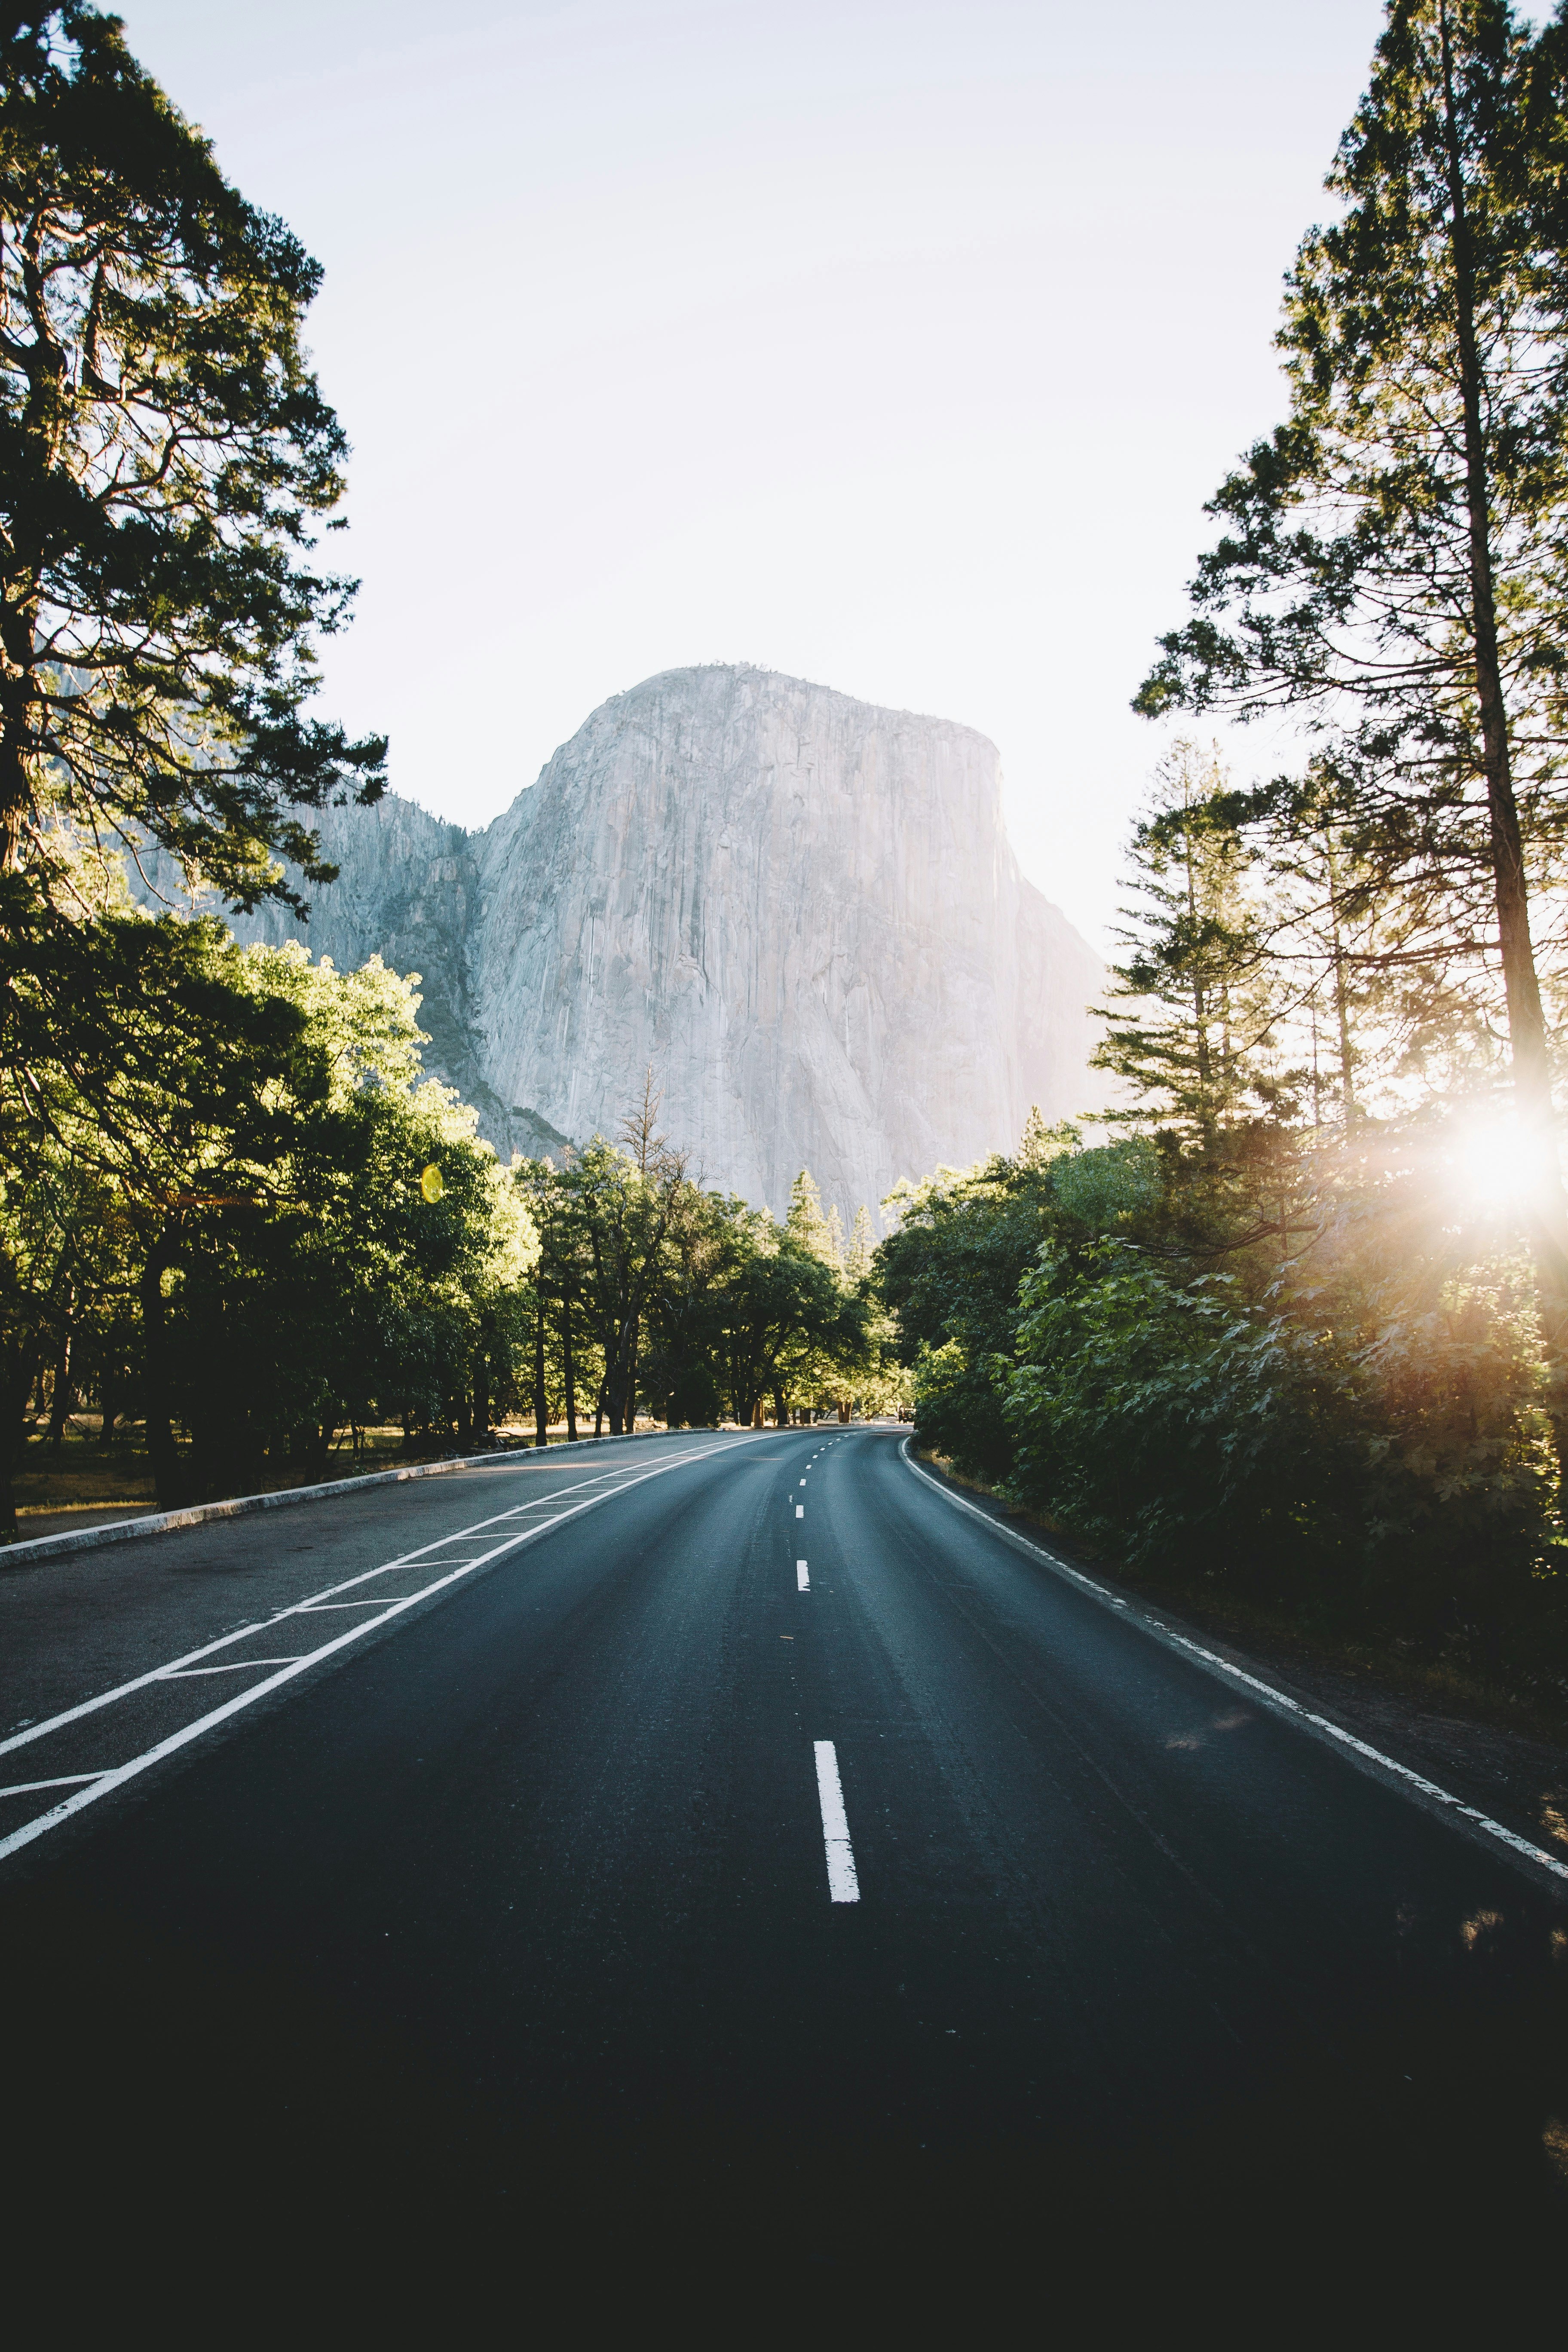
(1174, 1424)
(959, 1410)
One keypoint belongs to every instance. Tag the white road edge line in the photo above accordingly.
(320, 1600)
(802, 1581)
(1277, 1700)
(106, 1781)
(843, 1884)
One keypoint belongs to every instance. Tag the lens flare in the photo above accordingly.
(1492, 1164)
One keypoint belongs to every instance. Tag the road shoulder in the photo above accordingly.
(1518, 1780)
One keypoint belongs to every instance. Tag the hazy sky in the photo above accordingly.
(896, 346)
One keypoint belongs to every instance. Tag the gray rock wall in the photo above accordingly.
(800, 911)
(803, 912)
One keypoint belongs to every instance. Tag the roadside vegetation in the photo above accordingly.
(237, 1222)
(1296, 1332)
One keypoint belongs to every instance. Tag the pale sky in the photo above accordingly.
(891, 343)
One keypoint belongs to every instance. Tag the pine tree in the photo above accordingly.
(1189, 1045)
(862, 1247)
(807, 1225)
(166, 457)
(1394, 563)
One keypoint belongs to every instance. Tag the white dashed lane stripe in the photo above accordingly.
(843, 1883)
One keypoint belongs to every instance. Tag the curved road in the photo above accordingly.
(907, 1900)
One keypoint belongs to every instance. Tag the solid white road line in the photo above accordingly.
(843, 1885)
(104, 1782)
(802, 1582)
(186, 1674)
(65, 1781)
(1278, 1701)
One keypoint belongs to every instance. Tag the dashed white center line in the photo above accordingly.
(802, 1582)
(800, 1510)
(843, 1885)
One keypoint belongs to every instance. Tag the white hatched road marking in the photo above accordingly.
(243, 1666)
(64, 1781)
(300, 1608)
(101, 1783)
(843, 1883)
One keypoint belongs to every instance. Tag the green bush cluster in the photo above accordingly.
(1356, 1436)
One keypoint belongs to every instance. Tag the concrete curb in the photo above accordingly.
(43, 1548)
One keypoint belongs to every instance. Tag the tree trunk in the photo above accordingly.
(599, 1411)
(1341, 991)
(482, 1392)
(21, 1369)
(160, 1449)
(631, 1409)
(541, 1407)
(567, 1364)
(1526, 1022)
(60, 1400)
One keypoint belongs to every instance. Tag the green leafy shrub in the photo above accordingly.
(1165, 1419)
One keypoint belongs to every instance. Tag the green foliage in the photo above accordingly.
(960, 1400)
(807, 1226)
(690, 1302)
(1393, 561)
(166, 457)
(1164, 1418)
(1354, 1429)
(224, 1186)
(1196, 986)
(1104, 1190)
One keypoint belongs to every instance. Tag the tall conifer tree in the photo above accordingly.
(1185, 1042)
(1394, 563)
(167, 459)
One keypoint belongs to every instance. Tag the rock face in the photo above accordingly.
(800, 911)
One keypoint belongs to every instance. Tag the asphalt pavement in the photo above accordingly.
(731, 1848)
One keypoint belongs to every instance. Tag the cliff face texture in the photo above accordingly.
(800, 911)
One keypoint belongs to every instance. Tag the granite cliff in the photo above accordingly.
(801, 910)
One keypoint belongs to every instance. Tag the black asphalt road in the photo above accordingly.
(517, 1920)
